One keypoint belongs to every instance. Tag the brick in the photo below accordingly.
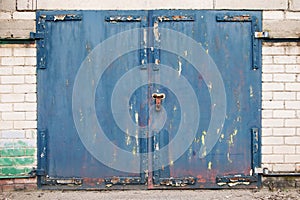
(272, 68)
(28, 88)
(298, 149)
(266, 149)
(292, 68)
(12, 79)
(292, 140)
(30, 97)
(5, 51)
(12, 98)
(26, 5)
(30, 60)
(12, 152)
(31, 187)
(24, 161)
(284, 113)
(19, 29)
(273, 15)
(7, 5)
(30, 115)
(272, 140)
(24, 15)
(267, 95)
(292, 86)
(25, 107)
(24, 70)
(6, 181)
(5, 15)
(267, 114)
(272, 86)
(272, 158)
(272, 123)
(12, 171)
(5, 71)
(5, 107)
(30, 79)
(284, 77)
(120, 5)
(8, 188)
(292, 15)
(293, 50)
(31, 134)
(5, 125)
(292, 158)
(267, 77)
(292, 104)
(13, 134)
(25, 124)
(30, 152)
(13, 116)
(254, 5)
(6, 162)
(292, 122)
(283, 167)
(294, 5)
(285, 59)
(284, 131)
(267, 60)
(272, 104)
(284, 95)
(12, 61)
(25, 52)
(284, 149)
(282, 29)
(267, 132)
(273, 50)
(6, 89)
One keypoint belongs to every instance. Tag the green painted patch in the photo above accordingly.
(12, 152)
(24, 161)
(30, 152)
(6, 162)
(12, 171)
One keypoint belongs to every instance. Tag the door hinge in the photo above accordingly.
(177, 182)
(62, 17)
(62, 181)
(254, 29)
(122, 181)
(237, 179)
(121, 18)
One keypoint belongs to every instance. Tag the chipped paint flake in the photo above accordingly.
(209, 165)
(228, 157)
(136, 117)
(179, 67)
(155, 31)
(185, 53)
(251, 91)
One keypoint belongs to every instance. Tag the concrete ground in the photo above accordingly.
(289, 194)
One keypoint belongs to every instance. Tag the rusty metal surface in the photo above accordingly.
(202, 126)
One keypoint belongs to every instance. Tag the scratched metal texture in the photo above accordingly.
(65, 46)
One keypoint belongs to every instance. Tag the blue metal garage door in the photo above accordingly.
(148, 99)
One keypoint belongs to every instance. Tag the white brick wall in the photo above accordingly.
(280, 104)
(18, 106)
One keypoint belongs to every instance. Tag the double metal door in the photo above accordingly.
(148, 99)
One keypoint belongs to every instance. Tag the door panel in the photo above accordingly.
(216, 151)
(148, 99)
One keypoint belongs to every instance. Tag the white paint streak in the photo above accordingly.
(179, 67)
